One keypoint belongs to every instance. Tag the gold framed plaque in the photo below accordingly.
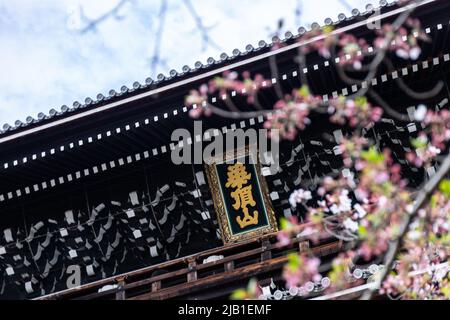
(240, 195)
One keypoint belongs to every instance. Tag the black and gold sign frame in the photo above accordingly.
(240, 195)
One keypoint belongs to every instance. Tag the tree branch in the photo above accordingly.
(206, 39)
(420, 201)
(93, 23)
(156, 58)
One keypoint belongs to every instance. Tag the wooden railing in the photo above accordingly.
(189, 276)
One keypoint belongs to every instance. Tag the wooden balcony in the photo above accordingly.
(190, 278)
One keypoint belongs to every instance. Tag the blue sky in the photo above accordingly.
(47, 62)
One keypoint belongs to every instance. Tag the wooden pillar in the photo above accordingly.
(229, 266)
(120, 294)
(156, 286)
(266, 254)
(192, 274)
(303, 246)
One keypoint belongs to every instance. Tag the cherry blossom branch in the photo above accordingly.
(379, 57)
(366, 205)
(346, 4)
(412, 93)
(386, 107)
(420, 201)
(256, 102)
(156, 59)
(274, 73)
(204, 31)
(273, 59)
(348, 237)
(113, 12)
(372, 286)
(236, 114)
(298, 12)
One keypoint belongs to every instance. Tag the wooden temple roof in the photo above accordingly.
(93, 185)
